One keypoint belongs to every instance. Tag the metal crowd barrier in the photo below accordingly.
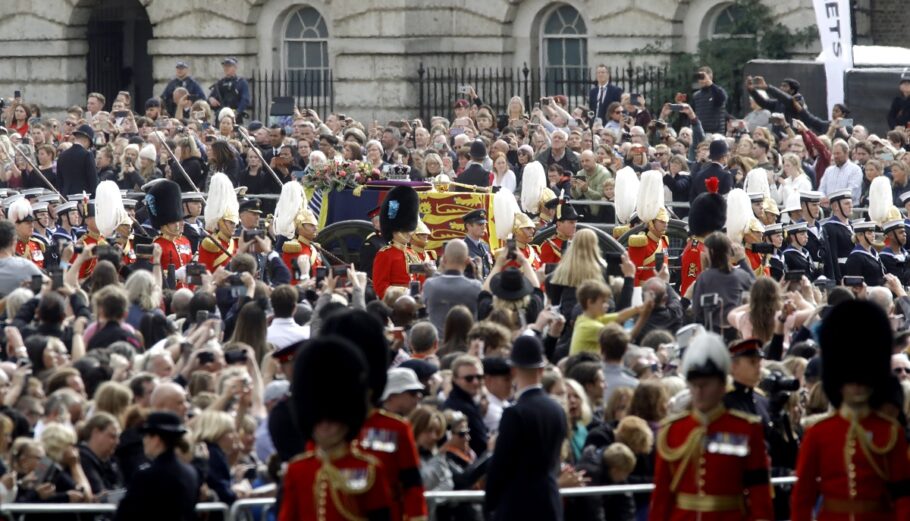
(476, 496)
(88, 508)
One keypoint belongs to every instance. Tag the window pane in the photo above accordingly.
(313, 54)
(554, 52)
(554, 24)
(321, 28)
(295, 54)
(310, 16)
(294, 27)
(573, 51)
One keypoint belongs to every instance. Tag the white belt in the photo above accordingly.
(841, 260)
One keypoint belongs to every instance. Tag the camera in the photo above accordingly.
(658, 261)
(202, 315)
(103, 250)
(249, 235)
(676, 107)
(794, 275)
(710, 300)
(763, 248)
(121, 113)
(237, 356)
(144, 249)
(660, 124)
(416, 269)
(512, 249)
(194, 272)
(205, 357)
(545, 101)
(778, 382)
(414, 288)
(321, 273)
(340, 271)
(853, 281)
(699, 76)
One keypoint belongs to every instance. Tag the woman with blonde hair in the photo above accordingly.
(516, 109)
(578, 414)
(113, 398)
(429, 426)
(144, 294)
(432, 165)
(218, 431)
(59, 443)
(503, 176)
(794, 179)
(580, 262)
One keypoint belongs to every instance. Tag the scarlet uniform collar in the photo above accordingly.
(653, 237)
(333, 454)
(400, 246)
(561, 237)
(850, 413)
(706, 418)
(303, 240)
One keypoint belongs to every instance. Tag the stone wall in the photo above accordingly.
(375, 46)
(890, 18)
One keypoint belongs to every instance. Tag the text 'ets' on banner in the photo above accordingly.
(443, 213)
(834, 31)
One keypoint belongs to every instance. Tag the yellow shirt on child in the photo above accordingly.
(586, 332)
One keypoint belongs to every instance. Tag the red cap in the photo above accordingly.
(461, 104)
(747, 347)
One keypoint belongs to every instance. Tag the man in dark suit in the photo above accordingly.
(475, 226)
(521, 481)
(165, 478)
(600, 96)
(717, 154)
(475, 174)
(76, 171)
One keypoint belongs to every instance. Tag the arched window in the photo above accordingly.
(729, 23)
(564, 49)
(306, 49)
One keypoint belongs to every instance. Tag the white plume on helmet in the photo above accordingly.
(626, 194)
(881, 200)
(650, 195)
(109, 210)
(292, 198)
(504, 209)
(757, 182)
(707, 347)
(221, 202)
(19, 210)
(533, 181)
(739, 213)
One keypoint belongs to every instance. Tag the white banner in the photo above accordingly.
(834, 30)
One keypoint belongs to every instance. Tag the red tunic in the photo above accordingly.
(389, 439)
(643, 256)
(423, 257)
(551, 250)
(759, 263)
(178, 252)
(89, 265)
(851, 466)
(390, 268)
(531, 252)
(691, 263)
(212, 256)
(32, 250)
(292, 250)
(712, 471)
(129, 253)
(343, 487)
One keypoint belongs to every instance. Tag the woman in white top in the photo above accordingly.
(503, 177)
(794, 179)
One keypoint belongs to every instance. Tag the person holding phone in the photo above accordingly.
(709, 102)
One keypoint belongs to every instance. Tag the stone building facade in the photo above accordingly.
(55, 51)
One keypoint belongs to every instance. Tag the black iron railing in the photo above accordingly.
(311, 89)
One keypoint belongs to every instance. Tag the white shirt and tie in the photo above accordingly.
(600, 99)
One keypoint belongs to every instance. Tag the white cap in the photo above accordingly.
(276, 390)
(149, 152)
(401, 380)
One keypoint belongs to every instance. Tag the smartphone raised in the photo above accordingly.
(37, 282)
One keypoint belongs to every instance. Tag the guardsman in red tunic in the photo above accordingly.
(707, 214)
(336, 481)
(298, 224)
(27, 246)
(523, 231)
(511, 221)
(92, 236)
(644, 248)
(398, 218)
(856, 458)
(222, 213)
(113, 220)
(419, 240)
(759, 262)
(711, 462)
(566, 222)
(385, 436)
(163, 200)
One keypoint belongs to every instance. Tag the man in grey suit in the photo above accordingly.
(450, 287)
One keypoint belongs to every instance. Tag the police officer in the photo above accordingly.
(230, 91)
(167, 488)
(838, 233)
(181, 79)
(745, 368)
(287, 441)
(894, 255)
(864, 260)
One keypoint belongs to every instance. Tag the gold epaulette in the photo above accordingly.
(391, 415)
(210, 245)
(292, 247)
(303, 455)
(432, 254)
(38, 242)
(674, 418)
(619, 230)
(638, 240)
(751, 418)
(386, 247)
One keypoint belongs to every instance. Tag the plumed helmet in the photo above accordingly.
(222, 202)
(338, 394)
(399, 211)
(881, 200)
(164, 202)
(109, 210)
(504, 209)
(290, 201)
(706, 356)
(739, 214)
(367, 333)
(626, 194)
(855, 340)
(20, 210)
(708, 212)
(533, 182)
(757, 183)
(650, 203)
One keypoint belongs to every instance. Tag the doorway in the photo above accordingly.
(118, 58)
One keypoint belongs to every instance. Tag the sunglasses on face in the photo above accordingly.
(901, 370)
(461, 434)
(471, 378)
